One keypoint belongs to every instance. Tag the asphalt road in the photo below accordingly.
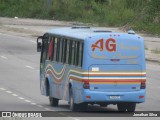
(19, 80)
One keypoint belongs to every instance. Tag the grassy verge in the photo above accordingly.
(150, 28)
(142, 15)
(155, 51)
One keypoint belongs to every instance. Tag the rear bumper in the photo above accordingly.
(97, 96)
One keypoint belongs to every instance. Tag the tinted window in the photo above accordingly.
(55, 49)
(80, 54)
(76, 53)
(67, 51)
(50, 48)
(58, 50)
(44, 50)
(64, 50)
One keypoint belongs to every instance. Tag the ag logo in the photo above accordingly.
(110, 45)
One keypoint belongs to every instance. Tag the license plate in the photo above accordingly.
(114, 97)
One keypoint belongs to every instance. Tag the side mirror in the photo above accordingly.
(39, 44)
(39, 47)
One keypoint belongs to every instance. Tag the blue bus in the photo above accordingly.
(87, 66)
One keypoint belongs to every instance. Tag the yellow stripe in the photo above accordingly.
(57, 73)
(114, 83)
(109, 82)
(86, 72)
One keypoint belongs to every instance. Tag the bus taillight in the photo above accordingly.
(86, 85)
(143, 84)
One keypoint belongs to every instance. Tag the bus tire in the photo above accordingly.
(131, 107)
(122, 107)
(53, 101)
(72, 105)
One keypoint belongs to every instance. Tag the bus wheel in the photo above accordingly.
(131, 107)
(53, 101)
(122, 107)
(73, 106)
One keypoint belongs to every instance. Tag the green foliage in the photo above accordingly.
(142, 15)
(155, 51)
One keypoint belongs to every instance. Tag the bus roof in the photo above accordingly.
(80, 32)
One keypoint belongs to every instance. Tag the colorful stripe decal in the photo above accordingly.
(124, 77)
(108, 81)
(54, 71)
(100, 76)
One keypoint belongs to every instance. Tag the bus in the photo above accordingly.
(88, 66)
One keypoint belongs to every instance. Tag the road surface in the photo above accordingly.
(19, 80)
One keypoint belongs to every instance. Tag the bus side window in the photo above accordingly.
(76, 53)
(80, 54)
(70, 52)
(53, 39)
(58, 49)
(47, 47)
(44, 50)
(64, 51)
(67, 52)
(55, 49)
(50, 49)
(73, 53)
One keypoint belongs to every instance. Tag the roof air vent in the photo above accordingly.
(80, 27)
(131, 32)
(102, 31)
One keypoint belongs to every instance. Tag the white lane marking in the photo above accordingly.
(75, 118)
(21, 98)
(27, 101)
(47, 109)
(4, 57)
(72, 118)
(15, 95)
(27, 66)
(40, 106)
(33, 103)
(33, 41)
(2, 89)
(8, 91)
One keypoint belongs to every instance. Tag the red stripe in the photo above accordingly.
(115, 75)
(107, 80)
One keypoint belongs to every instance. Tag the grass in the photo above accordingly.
(146, 48)
(150, 28)
(155, 51)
